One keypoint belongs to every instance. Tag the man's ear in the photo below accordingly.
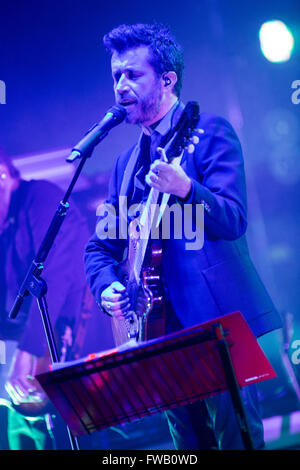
(169, 79)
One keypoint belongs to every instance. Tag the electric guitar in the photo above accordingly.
(140, 273)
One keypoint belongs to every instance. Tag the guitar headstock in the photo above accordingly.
(183, 130)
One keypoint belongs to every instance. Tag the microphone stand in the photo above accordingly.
(35, 285)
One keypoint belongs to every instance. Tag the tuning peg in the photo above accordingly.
(191, 148)
(195, 139)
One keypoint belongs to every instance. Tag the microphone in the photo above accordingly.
(114, 116)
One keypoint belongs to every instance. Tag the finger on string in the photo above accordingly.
(118, 287)
(114, 297)
(119, 305)
(162, 154)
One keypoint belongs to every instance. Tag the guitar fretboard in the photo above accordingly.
(145, 225)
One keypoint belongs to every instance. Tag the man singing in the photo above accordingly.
(201, 284)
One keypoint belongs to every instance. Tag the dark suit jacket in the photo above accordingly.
(220, 277)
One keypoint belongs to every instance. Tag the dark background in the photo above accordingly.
(58, 84)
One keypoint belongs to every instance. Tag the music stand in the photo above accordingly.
(127, 383)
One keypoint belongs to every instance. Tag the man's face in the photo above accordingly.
(137, 87)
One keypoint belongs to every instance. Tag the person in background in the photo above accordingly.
(26, 210)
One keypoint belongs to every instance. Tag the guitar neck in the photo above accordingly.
(145, 225)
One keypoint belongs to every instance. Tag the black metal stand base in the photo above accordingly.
(43, 307)
(233, 387)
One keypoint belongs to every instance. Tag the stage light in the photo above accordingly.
(276, 41)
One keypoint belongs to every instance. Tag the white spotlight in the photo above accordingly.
(276, 41)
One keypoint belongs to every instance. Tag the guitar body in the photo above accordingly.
(146, 320)
(155, 321)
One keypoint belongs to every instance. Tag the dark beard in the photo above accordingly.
(148, 108)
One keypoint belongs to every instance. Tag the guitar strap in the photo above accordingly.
(128, 175)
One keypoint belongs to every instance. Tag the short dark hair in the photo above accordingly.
(7, 161)
(167, 54)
